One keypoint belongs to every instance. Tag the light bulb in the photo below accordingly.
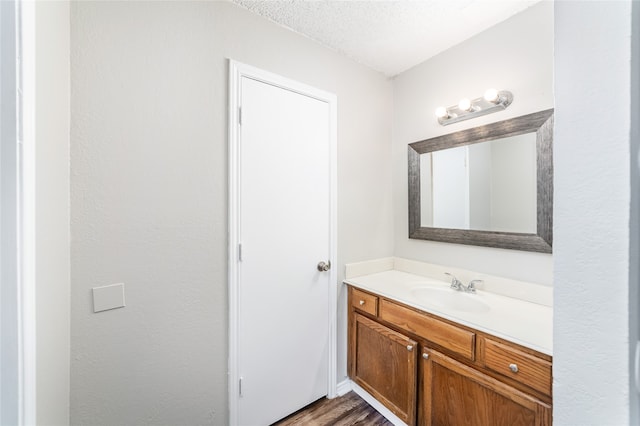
(464, 104)
(441, 112)
(491, 95)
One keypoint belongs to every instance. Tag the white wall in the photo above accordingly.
(52, 212)
(516, 55)
(514, 187)
(149, 196)
(591, 219)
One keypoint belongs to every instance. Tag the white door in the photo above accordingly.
(284, 231)
(450, 186)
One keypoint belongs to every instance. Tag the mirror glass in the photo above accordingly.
(488, 186)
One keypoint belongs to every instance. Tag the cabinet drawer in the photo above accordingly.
(364, 302)
(521, 366)
(457, 340)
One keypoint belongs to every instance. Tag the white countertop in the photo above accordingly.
(518, 321)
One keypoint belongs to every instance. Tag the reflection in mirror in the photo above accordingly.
(489, 186)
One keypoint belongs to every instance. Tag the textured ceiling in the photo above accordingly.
(388, 36)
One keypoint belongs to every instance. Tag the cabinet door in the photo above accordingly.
(454, 394)
(384, 363)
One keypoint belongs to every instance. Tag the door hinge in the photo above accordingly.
(240, 386)
(239, 252)
(240, 116)
(637, 366)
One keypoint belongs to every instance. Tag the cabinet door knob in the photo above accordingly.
(361, 302)
(513, 368)
(425, 356)
(409, 348)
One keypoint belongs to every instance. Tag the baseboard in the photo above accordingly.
(343, 387)
(376, 405)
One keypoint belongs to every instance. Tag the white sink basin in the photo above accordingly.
(446, 298)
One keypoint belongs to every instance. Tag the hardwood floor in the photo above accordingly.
(347, 410)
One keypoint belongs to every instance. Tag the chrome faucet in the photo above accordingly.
(456, 284)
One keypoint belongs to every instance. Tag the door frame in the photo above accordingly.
(17, 222)
(238, 70)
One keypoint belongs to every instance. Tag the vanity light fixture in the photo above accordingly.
(492, 101)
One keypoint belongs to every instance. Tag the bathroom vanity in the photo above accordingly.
(436, 356)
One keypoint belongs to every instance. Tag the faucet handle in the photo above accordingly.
(456, 284)
(472, 285)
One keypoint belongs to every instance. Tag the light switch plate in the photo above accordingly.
(108, 297)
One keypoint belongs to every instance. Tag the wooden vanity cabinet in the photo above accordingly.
(452, 393)
(430, 371)
(384, 363)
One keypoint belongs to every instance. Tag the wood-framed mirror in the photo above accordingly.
(489, 186)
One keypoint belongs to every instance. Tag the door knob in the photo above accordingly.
(324, 267)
